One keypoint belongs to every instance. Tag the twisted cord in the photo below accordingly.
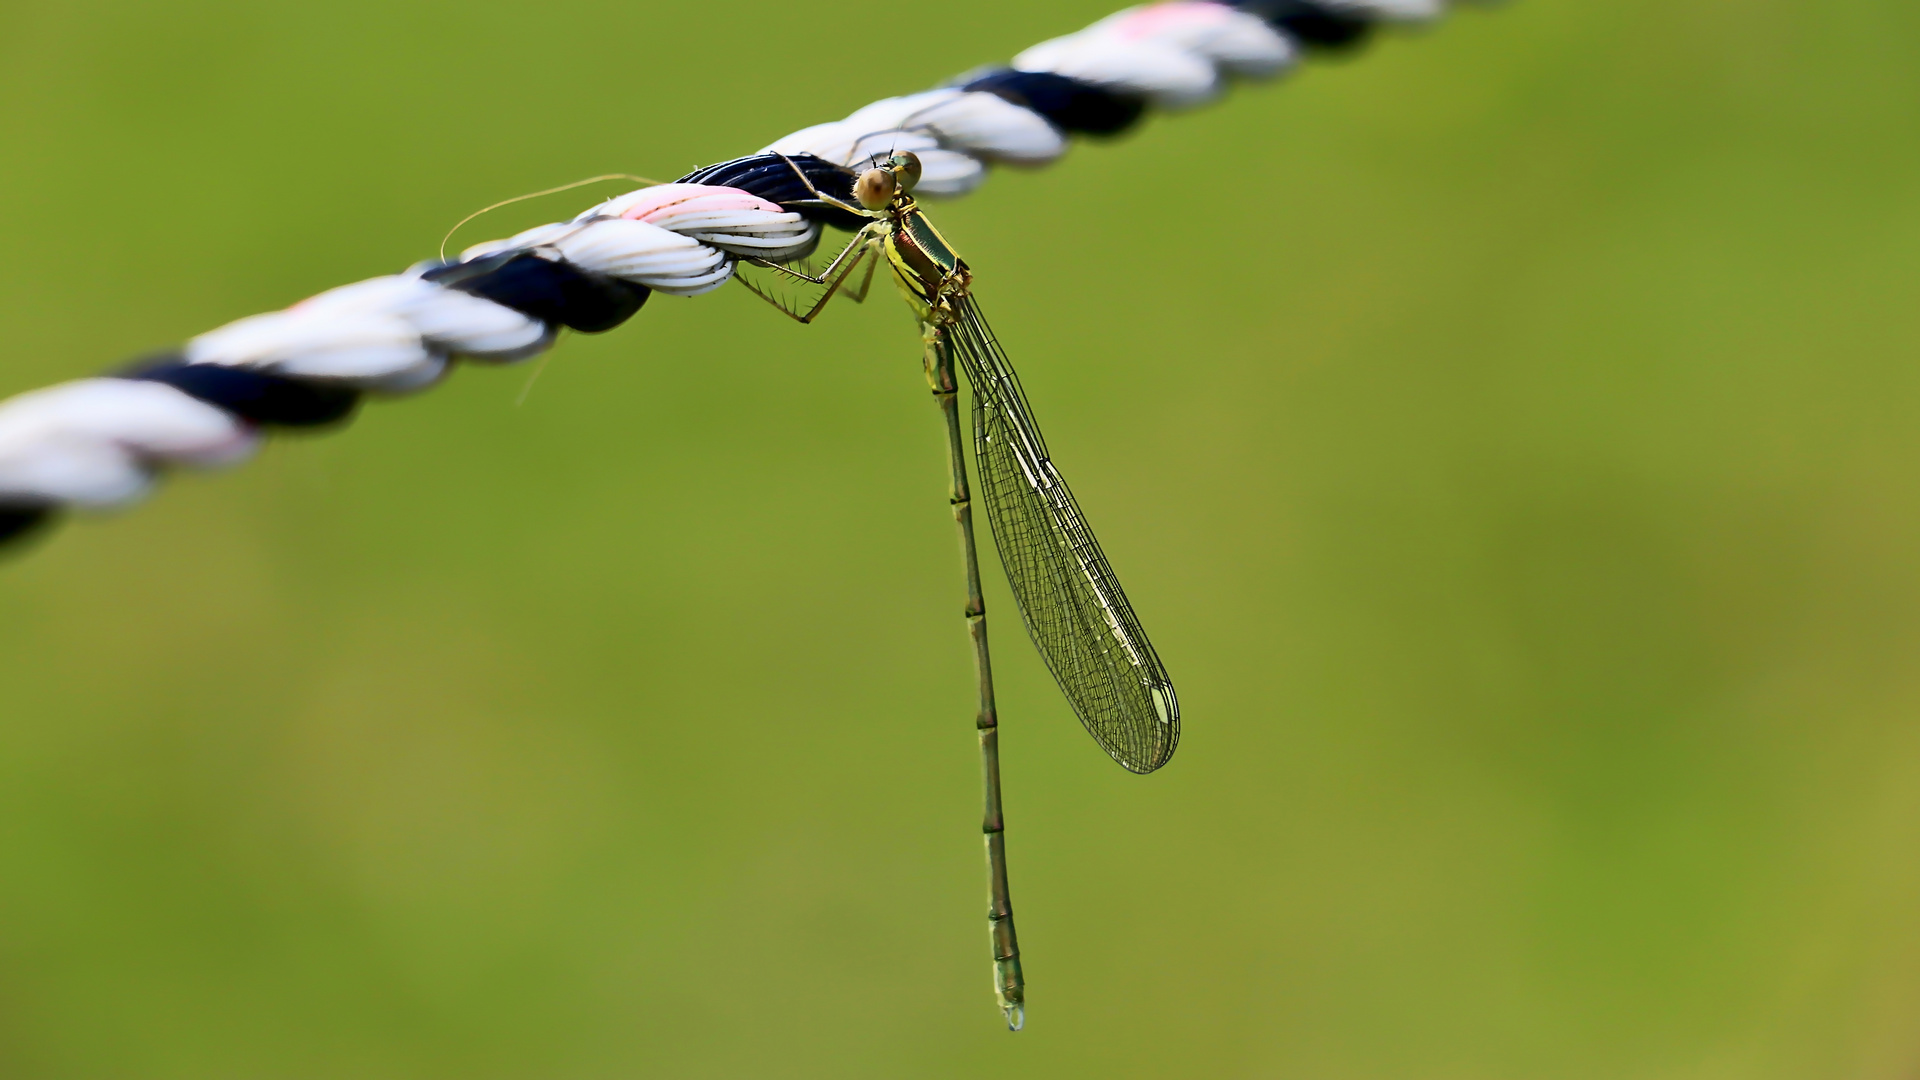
(100, 443)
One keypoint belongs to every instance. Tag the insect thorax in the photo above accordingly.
(930, 273)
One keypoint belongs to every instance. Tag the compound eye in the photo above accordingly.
(906, 165)
(875, 189)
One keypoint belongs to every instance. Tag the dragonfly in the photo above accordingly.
(1071, 601)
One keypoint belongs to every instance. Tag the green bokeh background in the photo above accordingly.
(1508, 436)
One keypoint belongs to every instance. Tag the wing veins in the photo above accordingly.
(1069, 597)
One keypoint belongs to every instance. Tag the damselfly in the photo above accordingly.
(1068, 595)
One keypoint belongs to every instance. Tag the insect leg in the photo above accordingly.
(821, 195)
(859, 249)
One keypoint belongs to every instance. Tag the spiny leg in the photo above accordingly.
(861, 241)
(859, 295)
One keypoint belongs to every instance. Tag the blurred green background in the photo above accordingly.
(1507, 435)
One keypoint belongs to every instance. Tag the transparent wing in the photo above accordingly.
(1068, 594)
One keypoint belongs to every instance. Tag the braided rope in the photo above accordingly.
(101, 442)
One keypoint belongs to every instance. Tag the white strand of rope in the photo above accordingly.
(99, 443)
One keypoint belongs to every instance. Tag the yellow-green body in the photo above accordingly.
(928, 271)
(931, 275)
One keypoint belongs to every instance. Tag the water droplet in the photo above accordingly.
(1016, 1017)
